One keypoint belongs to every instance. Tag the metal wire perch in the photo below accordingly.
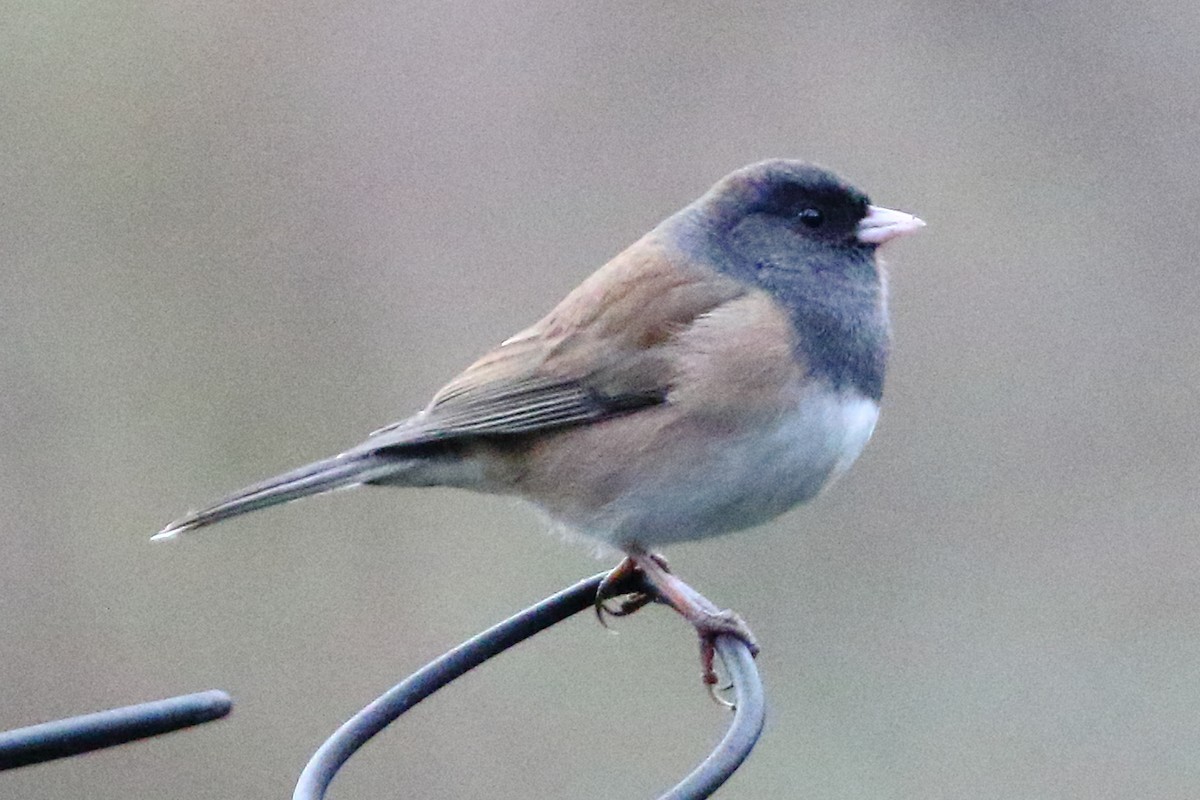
(705, 779)
(74, 735)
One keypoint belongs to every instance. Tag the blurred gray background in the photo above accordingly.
(236, 237)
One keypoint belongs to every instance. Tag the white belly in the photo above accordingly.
(748, 478)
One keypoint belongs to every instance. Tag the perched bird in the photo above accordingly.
(722, 369)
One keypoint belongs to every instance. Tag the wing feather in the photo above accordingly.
(603, 351)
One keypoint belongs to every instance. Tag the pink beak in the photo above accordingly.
(882, 224)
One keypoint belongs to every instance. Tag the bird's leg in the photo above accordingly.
(709, 621)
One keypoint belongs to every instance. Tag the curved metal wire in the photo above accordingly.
(749, 714)
(74, 735)
(732, 750)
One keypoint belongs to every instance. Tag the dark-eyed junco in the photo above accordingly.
(725, 367)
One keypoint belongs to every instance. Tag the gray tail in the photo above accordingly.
(321, 476)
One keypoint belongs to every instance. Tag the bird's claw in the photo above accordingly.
(715, 691)
(624, 608)
(709, 627)
(616, 584)
(641, 571)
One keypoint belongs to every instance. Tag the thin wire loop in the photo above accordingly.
(700, 783)
(74, 735)
(749, 715)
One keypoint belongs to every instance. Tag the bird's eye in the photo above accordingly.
(811, 218)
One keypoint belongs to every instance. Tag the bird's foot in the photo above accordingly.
(710, 626)
(620, 583)
(709, 621)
